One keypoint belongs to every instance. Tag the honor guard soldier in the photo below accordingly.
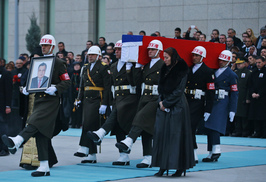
(94, 93)
(225, 103)
(257, 93)
(143, 123)
(42, 121)
(124, 104)
(199, 91)
(242, 125)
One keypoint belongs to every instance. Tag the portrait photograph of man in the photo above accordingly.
(40, 81)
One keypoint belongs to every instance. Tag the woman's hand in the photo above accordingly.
(161, 106)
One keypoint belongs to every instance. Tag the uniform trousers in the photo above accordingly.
(213, 138)
(146, 139)
(196, 117)
(91, 122)
(111, 124)
(42, 141)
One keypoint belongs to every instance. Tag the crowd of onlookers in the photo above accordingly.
(248, 47)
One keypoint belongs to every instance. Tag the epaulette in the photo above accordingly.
(86, 64)
(103, 63)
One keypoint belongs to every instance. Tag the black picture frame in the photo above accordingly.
(40, 67)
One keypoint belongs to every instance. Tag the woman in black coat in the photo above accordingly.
(172, 145)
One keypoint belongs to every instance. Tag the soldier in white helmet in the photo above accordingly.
(124, 105)
(41, 123)
(94, 94)
(199, 91)
(143, 123)
(224, 105)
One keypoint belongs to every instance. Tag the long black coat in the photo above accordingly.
(92, 98)
(148, 103)
(172, 145)
(5, 89)
(242, 85)
(257, 84)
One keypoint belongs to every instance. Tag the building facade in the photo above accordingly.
(76, 21)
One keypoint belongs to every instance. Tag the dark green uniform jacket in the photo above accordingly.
(46, 107)
(148, 103)
(124, 102)
(92, 99)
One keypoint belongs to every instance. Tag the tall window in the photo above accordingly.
(3, 28)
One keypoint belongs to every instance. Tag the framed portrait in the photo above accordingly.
(40, 74)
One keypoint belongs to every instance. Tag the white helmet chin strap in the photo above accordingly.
(97, 57)
(50, 49)
(201, 60)
(226, 64)
(156, 54)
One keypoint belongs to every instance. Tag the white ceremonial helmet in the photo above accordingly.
(118, 44)
(199, 50)
(48, 40)
(226, 56)
(95, 50)
(155, 44)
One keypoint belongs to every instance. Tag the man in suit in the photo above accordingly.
(125, 104)
(6, 85)
(143, 123)
(237, 42)
(257, 93)
(41, 81)
(42, 121)
(199, 91)
(224, 105)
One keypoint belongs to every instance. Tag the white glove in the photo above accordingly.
(24, 91)
(128, 66)
(77, 103)
(111, 107)
(206, 116)
(231, 116)
(102, 109)
(51, 90)
(138, 65)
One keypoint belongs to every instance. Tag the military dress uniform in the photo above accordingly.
(225, 101)
(125, 102)
(257, 111)
(144, 120)
(242, 125)
(200, 93)
(42, 121)
(95, 89)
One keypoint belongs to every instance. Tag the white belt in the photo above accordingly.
(123, 87)
(132, 89)
(221, 93)
(153, 88)
(195, 92)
